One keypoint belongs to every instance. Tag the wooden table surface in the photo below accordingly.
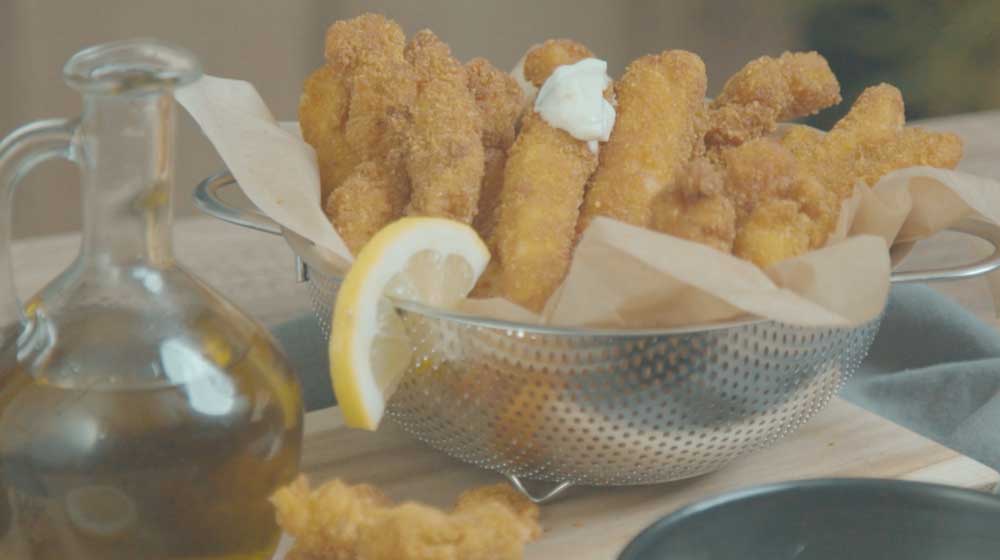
(256, 271)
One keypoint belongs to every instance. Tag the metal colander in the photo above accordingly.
(591, 407)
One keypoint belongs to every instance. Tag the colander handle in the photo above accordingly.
(977, 228)
(546, 496)
(207, 199)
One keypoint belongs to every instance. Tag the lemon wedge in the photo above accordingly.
(433, 261)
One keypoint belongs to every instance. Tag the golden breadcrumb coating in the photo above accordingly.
(769, 90)
(772, 193)
(544, 180)
(363, 204)
(869, 142)
(544, 177)
(774, 231)
(697, 208)
(656, 133)
(542, 61)
(322, 117)
(445, 145)
(341, 522)
(327, 522)
(500, 102)
(368, 52)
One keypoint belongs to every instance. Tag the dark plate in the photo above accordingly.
(860, 519)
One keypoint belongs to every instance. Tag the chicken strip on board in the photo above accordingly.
(487, 526)
(500, 102)
(656, 133)
(341, 522)
(769, 90)
(368, 51)
(327, 522)
(322, 117)
(869, 142)
(444, 144)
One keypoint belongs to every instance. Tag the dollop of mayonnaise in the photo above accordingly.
(573, 99)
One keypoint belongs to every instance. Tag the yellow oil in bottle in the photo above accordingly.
(123, 468)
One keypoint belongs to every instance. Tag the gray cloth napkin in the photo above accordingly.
(933, 368)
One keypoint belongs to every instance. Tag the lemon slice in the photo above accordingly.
(433, 261)
(100, 511)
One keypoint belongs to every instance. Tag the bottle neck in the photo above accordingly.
(126, 154)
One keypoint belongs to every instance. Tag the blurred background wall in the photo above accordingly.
(942, 53)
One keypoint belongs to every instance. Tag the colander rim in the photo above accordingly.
(326, 264)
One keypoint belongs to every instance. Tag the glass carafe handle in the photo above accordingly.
(20, 152)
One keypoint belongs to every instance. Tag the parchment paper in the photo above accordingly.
(621, 275)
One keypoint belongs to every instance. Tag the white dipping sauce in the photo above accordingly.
(572, 99)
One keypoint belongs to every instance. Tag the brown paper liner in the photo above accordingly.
(628, 277)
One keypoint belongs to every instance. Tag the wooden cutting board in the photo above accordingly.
(842, 441)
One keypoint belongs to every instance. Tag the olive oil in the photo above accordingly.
(151, 470)
(142, 415)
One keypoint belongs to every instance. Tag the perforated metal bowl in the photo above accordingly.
(593, 407)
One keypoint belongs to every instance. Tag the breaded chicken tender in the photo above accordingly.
(322, 117)
(363, 204)
(368, 52)
(769, 90)
(869, 142)
(781, 210)
(444, 143)
(506, 495)
(541, 61)
(656, 133)
(500, 102)
(544, 180)
(341, 522)
(327, 522)
(697, 208)
(776, 230)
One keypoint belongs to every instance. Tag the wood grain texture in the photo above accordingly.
(842, 441)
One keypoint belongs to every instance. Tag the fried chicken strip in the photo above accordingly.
(445, 147)
(322, 117)
(544, 179)
(368, 51)
(781, 210)
(541, 61)
(697, 208)
(776, 230)
(327, 522)
(363, 204)
(869, 142)
(656, 132)
(341, 522)
(769, 90)
(500, 102)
